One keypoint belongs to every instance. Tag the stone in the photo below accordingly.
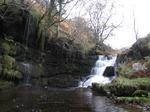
(138, 66)
(109, 71)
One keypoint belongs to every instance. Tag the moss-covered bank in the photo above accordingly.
(127, 91)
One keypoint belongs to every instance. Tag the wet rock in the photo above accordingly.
(109, 71)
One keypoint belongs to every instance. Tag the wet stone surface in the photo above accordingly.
(55, 100)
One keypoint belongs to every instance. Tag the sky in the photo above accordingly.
(124, 36)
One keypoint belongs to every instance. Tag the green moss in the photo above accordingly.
(8, 61)
(139, 83)
(6, 84)
(103, 89)
(123, 87)
(4, 47)
(37, 70)
(12, 74)
(134, 100)
(140, 93)
(15, 48)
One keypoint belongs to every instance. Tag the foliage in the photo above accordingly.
(8, 61)
(4, 47)
(6, 84)
(125, 69)
(8, 38)
(12, 74)
(8, 70)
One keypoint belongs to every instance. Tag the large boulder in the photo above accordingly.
(109, 71)
(138, 66)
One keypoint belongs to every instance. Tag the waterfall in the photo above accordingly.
(98, 70)
(27, 73)
(27, 30)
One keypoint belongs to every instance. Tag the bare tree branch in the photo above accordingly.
(135, 28)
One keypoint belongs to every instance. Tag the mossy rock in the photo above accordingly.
(140, 93)
(37, 71)
(102, 89)
(122, 90)
(114, 89)
(132, 100)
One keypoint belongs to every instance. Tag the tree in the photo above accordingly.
(100, 15)
(52, 16)
(80, 27)
(135, 29)
(50, 11)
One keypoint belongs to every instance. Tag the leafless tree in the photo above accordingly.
(80, 27)
(100, 19)
(135, 29)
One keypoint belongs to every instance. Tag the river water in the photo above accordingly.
(31, 99)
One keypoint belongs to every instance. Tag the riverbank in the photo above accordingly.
(134, 92)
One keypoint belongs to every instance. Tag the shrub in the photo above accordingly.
(124, 69)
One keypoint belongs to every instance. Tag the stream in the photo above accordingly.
(32, 99)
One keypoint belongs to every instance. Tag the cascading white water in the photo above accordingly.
(98, 70)
(27, 73)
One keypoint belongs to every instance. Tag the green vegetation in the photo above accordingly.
(140, 93)
(6, 84)
(133, 100)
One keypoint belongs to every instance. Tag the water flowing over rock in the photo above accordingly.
(97, 71)
(27, 73)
